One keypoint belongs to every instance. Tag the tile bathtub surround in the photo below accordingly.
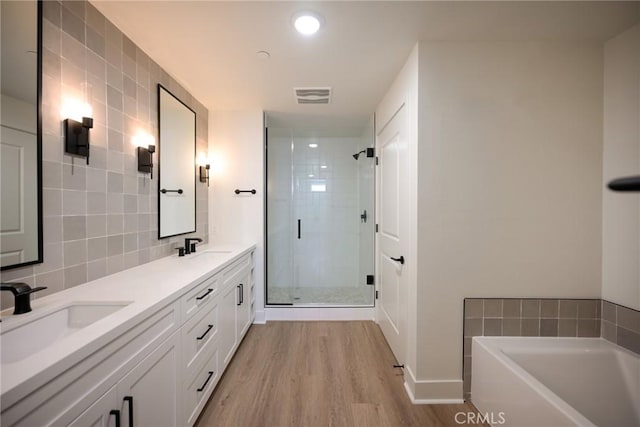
(621, 325)
(526, 317)
(100, 218)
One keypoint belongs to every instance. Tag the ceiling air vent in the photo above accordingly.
(312, 95)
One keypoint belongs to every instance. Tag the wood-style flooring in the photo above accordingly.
(317, 374)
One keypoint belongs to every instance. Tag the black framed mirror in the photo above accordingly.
(176, 166)
(21, 134)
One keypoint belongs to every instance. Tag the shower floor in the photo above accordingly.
(342, 296)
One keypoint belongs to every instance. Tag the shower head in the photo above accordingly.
(355, 156)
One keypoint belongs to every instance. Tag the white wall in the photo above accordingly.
(235, 149)
(510, 175)
(621, 211)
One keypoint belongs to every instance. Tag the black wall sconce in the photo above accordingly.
(204, 173)
(145, 159)
(77, 136)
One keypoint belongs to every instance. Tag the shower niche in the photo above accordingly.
(320, 215)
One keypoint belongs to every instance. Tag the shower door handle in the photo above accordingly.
(299, 221)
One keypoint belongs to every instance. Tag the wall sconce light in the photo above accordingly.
(77, 115)
(204, 173)
(145, 159)
(77, 136)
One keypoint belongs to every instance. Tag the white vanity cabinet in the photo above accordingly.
(164, 366)
(66, 396)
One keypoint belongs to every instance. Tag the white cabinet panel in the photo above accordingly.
(200, 387)
(153, 387)
(243, 307)
(227, 340)
(102, 413)
(199, 296)
(197, 334)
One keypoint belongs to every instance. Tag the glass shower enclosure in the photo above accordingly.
(320, 221)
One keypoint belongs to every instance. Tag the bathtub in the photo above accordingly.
(550, 382)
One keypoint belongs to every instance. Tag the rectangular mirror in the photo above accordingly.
(177, 164)
(20, 134)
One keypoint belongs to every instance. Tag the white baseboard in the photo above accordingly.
(432, 392)
(260, 318)
(318, 313)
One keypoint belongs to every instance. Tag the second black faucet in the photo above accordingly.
(190, 247)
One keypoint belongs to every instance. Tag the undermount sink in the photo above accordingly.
(36, 335)
(209, 254)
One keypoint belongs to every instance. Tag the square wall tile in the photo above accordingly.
(511, 308)
(568, 309)
(549, 308)
(531, 308)
(493, 308)
(473, 308)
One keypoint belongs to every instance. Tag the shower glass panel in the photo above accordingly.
(320, 222)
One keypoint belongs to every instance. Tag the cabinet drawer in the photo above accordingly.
(199, 296)
(236, 266)
(199, 388)
(198, 333)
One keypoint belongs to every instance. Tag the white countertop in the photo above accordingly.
(146, 288)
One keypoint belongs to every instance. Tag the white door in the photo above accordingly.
(393, 203)
(153, 388)
(19, 182)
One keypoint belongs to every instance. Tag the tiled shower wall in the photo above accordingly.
(547, 318)
(100, 218)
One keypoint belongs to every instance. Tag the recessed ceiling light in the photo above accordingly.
(323, 167)
(311, 175)
(307, 23)
(313, 145)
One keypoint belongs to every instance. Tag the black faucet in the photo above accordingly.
(190, 247)
(22, 293)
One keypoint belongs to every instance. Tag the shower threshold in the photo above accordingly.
(321, 296)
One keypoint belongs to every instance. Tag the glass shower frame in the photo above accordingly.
(319, 223)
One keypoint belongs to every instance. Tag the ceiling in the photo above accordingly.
(210, 46)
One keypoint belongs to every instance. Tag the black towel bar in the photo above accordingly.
(253, 191)
(630, 183)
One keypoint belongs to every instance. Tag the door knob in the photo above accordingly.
(400, 260)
